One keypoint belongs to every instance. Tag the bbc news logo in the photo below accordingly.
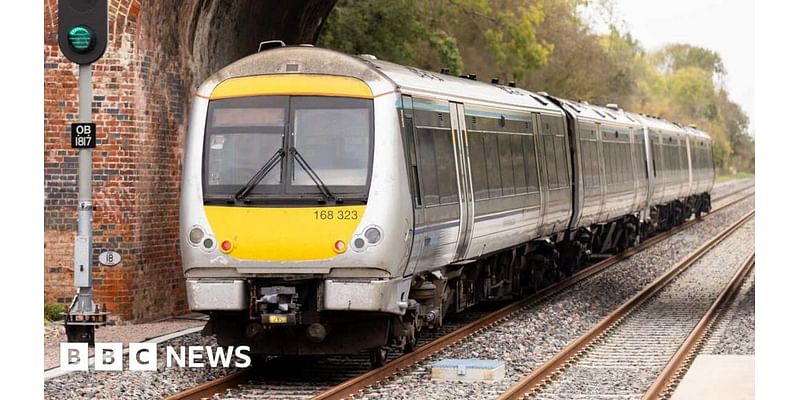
(145, 356)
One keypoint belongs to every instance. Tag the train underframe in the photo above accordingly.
(285, 317)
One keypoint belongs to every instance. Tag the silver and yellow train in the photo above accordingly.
(334, 203)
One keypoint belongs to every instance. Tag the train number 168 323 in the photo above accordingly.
(335, 214)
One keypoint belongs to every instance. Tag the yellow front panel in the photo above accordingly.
(284, 234)
(292, 84)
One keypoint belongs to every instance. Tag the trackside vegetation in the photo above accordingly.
(552, 46)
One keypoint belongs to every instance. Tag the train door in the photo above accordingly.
(464, 178)
(410, 147)
(544, 191)
(635, 166)
(650, 167)
(690, 188)
(604, 181)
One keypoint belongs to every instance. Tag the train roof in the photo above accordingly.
(591, 112)
(384, 77)
(427, 82)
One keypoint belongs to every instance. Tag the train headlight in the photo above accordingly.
(196, 235)
(208, 243)
(373, 235)
(359, 243)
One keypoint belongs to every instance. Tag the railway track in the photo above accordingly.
(636, 337)
(345, 376)
(678, 365)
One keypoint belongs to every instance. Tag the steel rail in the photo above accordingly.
(547, 371)
(353, 386)
(678, 365)
(208, 389)
(357, 384)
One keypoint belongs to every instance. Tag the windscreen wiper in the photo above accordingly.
(310, 171)
(259, 176)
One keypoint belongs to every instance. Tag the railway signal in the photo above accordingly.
(82, 29)
(82, 37)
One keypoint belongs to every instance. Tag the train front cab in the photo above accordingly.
(286, 229)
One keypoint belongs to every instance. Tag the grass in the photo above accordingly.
(739, 175)
(53, 312)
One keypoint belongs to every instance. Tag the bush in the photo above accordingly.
(54, 312)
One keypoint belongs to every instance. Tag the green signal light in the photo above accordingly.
(81, 38)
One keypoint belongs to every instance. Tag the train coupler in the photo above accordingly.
(278, 305)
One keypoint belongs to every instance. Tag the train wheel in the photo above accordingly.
(378, 356)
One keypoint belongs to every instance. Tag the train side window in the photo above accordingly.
(445, 167)
(623, 156)
(629, 162)
(607, 156)
(411, 154)
(561, 161)
(477, 162)
(427, 162)
(549, 157)
(506, 164)
(492, 165)
(530, 163)
(614, 162)
(595, 164)
(518, 158)
(586, 163)
(642, 161)
(654, 154)
(618, 163)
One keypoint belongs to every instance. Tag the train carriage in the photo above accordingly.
(333, 203)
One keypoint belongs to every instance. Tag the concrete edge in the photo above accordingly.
(57, 372)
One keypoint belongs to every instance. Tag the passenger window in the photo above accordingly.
(607, 156)
(506, 164)
(595, 164)
(411, 155)
(477, 162)
(530, 163)
(518, 159)
(427, 162)
(445, 167)
(492, 165)
(586, 163)
(549, 156)
(561, 161)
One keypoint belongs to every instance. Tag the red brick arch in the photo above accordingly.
(158, 51)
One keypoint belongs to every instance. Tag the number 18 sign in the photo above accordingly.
(84, 136)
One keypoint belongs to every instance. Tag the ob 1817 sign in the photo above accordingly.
(84, 136)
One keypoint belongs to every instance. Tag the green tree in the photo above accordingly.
(550, 45)
(434, 33)
(386, 29)
(676, 56)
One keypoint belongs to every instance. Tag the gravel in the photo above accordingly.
(730, 186)
(735, 331)
(54, 334)
(528, 339)
(523, 341)
(627, 361)
(135, 384)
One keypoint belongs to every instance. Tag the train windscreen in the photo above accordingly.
(288, 146)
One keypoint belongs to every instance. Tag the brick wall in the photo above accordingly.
(158, 51)
(139, 105)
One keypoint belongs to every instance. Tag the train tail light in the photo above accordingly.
(339, 246)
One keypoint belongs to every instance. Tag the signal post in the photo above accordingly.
(82, 38)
